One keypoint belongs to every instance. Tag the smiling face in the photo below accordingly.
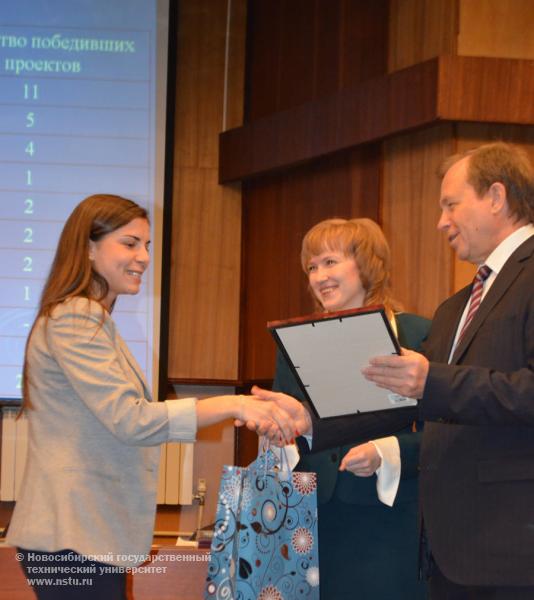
(335, 281)
(466, 218)
(121, 258)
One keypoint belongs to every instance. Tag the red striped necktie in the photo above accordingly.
(476, 297)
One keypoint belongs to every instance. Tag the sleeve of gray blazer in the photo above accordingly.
(86, 347)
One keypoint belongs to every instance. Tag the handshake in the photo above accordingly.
(278, 417)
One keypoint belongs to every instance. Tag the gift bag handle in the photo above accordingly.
(283, 460)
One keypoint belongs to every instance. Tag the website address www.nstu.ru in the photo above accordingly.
(61, 581)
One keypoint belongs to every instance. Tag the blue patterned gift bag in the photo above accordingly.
(265, 540)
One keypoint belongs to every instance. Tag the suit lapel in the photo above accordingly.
(439, 343)
(510, 271)
(456, 310)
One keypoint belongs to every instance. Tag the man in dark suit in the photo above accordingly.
(475, 383)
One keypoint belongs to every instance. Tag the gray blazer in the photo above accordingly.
(91, 474)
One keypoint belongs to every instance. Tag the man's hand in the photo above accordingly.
(295, 409)
(405, 374)
(362, 460)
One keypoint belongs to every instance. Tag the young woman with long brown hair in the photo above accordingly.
(88, 498)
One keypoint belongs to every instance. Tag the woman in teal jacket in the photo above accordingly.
(367, 488)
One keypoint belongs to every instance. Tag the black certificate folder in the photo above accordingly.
(327, 352)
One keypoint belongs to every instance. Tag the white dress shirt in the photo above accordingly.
(495, 262)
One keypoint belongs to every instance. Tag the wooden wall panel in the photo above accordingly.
(300, 50)
(421, 29)
(421, 259)
(264, 31)
(277, 212)
(494, 90)
(499, 28)
(206, 243)
(206, 273)
(200, 81)
(235, 66)
(328, 60)
(452, 88)
(363, 41)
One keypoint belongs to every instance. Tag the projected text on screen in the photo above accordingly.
(77, 117)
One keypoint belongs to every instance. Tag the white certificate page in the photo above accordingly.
(327, 356)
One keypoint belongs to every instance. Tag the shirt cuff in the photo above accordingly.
(291, 457)
(388, 474)
(182, 415)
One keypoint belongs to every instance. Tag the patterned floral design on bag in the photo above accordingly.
(265, 539)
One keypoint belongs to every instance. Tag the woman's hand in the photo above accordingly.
(295, 409)
(265, 418)
(362, 460)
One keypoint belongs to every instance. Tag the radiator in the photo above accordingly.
(14, 448)
(175, 482)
